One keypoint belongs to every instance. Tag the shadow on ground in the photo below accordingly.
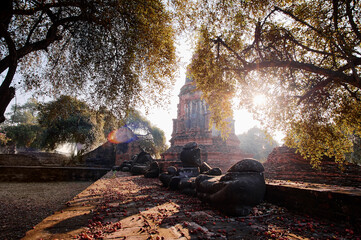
(120, 206)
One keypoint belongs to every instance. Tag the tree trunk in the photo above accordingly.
(6, 95)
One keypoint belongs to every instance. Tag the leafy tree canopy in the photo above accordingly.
(303, 56)
(3, 138)
(255, 141)
(25, 135)
(65, 120)
(115, 53)
(68, 119)
(22, 125)
(24, 114)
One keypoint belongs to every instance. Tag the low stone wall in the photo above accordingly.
(331, 202)
(46, 174)
(285, 164)
(18, 160)
(33, 159)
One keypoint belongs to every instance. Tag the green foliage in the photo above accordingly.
(22, 127)
(303, 56)
(255, 141)
(67, 120)
(25, 135)
(24, 114)
(117, 53)
(109, 121)
(4, 139)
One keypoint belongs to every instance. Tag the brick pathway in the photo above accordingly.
(120, 206)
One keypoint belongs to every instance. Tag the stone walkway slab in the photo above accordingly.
(121, 206)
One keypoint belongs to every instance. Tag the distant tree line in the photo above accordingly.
(256, 142)
(45, 126)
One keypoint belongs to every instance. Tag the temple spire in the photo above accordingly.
(192, 125)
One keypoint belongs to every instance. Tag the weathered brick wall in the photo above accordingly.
(33, 159)
(47, 174)
(111, 154)
(339, 203)
(225, 160)
(104, 155)
(284, 163)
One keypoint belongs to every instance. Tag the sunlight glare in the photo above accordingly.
(259, 100)
(121, 135)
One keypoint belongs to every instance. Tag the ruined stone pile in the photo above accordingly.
(285, 164)
(234, 193)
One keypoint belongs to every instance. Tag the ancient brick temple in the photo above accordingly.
(192, 125)
(111, 154)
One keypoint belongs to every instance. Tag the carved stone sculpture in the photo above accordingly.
(166, 177)
(139, 165)
(191, 155)
(191, 162)
(153, 171)
(236, 192)
(126, 166)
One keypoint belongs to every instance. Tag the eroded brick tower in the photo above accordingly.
(192, 125)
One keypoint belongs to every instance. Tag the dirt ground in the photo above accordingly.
(23, 205)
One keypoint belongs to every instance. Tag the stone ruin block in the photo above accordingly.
(234, 193)
(141, 164)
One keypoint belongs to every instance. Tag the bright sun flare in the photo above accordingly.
(259, 100)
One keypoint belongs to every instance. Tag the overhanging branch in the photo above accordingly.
(39, 45)
(319, 86)
(355, 29)
(297, 19)
(336, 76)
(353, 94)
(220, 41)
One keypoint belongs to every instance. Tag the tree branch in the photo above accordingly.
(6, 12)
(7, 93)
(352, 22)
(41, 44)
(220, 40)
(33, 29)
(12, 58)
(258, 39)
(353, 94)
(307, 24)
(355, 62)
(298, 19)
(336, 76)
(292, 39)
(318, 86)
